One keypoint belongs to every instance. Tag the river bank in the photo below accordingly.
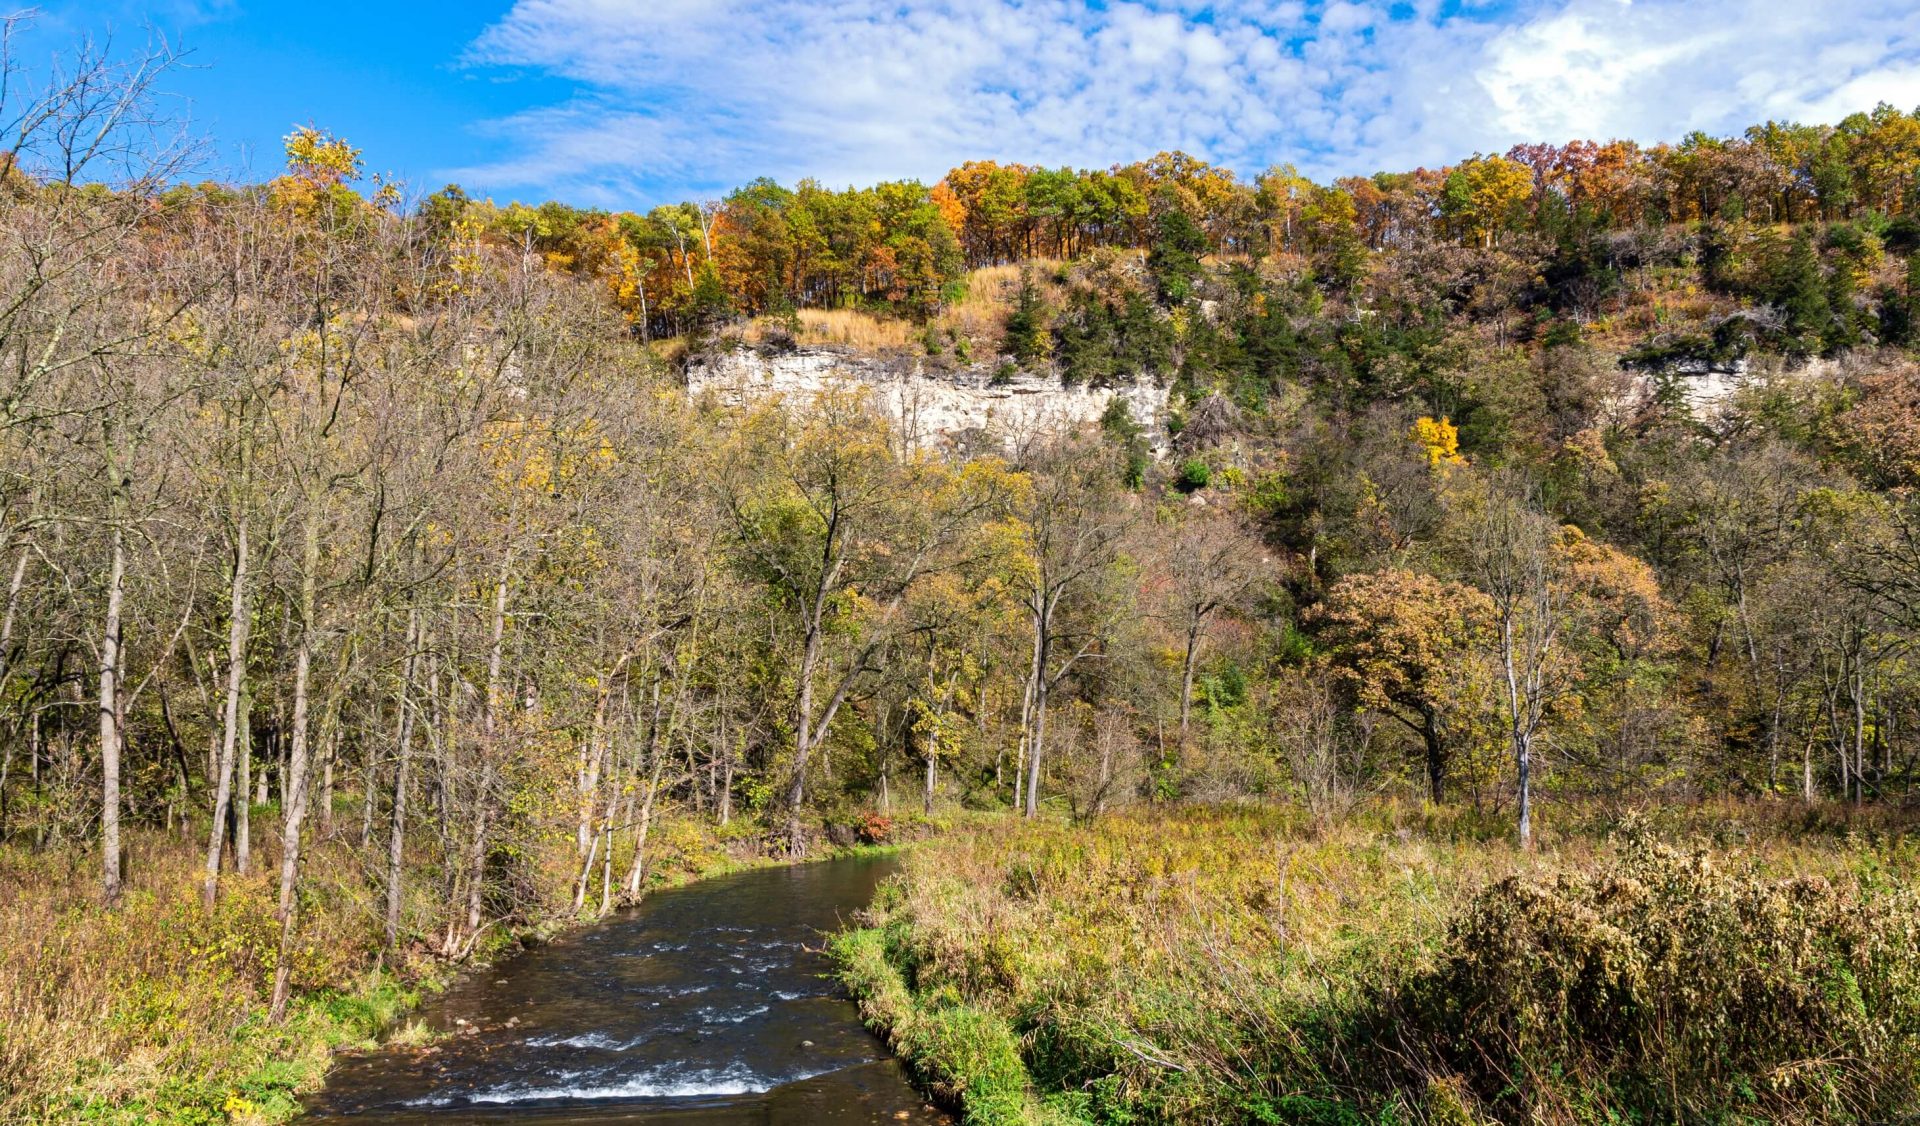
(157, 1011)
(1720, 963)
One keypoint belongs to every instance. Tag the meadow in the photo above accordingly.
(1718, 963)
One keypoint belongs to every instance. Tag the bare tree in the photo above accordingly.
(1511, 557)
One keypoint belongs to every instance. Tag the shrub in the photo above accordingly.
(874, 828)
(966, 1055)
(1194, 475)
(1401, 965)
(1668, 986)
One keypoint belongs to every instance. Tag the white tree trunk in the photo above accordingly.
(237, 626)
(110, 720)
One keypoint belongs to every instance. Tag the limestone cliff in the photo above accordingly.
(966, 406)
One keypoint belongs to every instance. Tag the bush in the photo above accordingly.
(967, 1056)
(1194, 475)
(1666, 986)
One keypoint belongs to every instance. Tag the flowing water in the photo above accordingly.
(705, 1004)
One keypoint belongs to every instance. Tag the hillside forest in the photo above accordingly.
(374, 589)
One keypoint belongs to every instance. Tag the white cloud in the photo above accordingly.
(693, 96)
(1657, 70)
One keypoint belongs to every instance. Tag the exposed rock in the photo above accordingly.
(934, 409)
(1703, 384)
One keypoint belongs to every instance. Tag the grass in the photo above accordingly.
(845, 328)
(970, 327)
(1717, 964)
(854, 329)
(156, 1011)
(979, 314)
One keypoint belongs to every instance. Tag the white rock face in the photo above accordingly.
(1704, 387)
(933, 409)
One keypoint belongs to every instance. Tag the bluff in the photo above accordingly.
(971, 407)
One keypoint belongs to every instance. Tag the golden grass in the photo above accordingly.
(155, 1010)
(979, 316)
(855, 329)
(1189, 964)
(844, 328)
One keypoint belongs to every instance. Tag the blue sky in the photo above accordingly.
(627, 103)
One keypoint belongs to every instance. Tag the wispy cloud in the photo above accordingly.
(679, 97)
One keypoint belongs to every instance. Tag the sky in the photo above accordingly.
(629, 103)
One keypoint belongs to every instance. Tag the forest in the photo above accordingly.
(377, 596)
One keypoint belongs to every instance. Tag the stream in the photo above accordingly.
(705, 1004)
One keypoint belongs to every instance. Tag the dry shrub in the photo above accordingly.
(1666, 986)
(154, 1008)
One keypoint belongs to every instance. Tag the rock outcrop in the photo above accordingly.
(969, 407)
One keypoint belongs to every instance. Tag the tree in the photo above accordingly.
(1072, 520)
(1174, 256)
(842, 530)
(1212, 564)
(1483, 196)
(1509, 549)
(1800, 289)
(1407, 644)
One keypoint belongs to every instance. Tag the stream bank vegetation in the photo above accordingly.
(1722, 963)
(375, 592)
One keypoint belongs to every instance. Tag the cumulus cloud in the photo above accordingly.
(687, 97)
(1658, 70)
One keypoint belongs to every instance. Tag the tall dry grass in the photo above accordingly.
(979, 315)
(854, 329)
(844, 328)
(1226, 965)
(155, 1010)
(973, 322)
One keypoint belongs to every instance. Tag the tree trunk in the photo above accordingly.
(243, 787)
(6, 647)
(490, 731)
(294, 784)
(1859, 733)
(403, 748)
(588, 784)
(637, 873)
(1806, 767)
(803, 729)
(1186, 677)
(110, 719)
(1524, 765)
(237, 626)
(1436, 758)
(327, 754)
(650, 761)
(726, 773)
(1039, 746)
(1037, 702)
